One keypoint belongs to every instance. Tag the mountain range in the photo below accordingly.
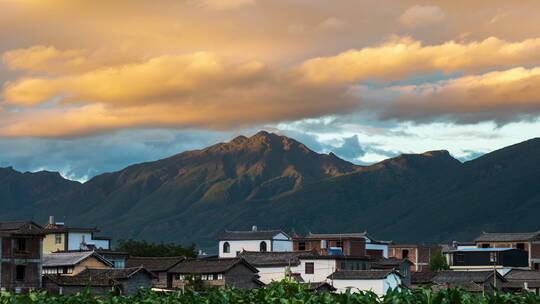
(273, 181)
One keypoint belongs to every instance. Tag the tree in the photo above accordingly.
(145, 249)
(437, 261)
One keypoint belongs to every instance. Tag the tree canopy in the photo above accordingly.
(143, 248)
(437, 261)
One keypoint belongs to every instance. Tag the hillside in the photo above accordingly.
(276, 182)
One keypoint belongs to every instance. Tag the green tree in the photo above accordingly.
(437, 261)
(145, 249)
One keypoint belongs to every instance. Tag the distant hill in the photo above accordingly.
(276, 182)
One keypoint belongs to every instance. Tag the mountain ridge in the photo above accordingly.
(275, 181)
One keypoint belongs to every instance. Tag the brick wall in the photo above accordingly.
(397, 252)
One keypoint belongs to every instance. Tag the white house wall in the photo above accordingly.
(322, 269)
(374, 285)
(74, 241)
(239, 246)
(391, 282)
(271, 274)
(281, 242)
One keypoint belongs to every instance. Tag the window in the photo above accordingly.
(215, 277)
(58, 238)
(405, 253)
(323, 244)
(485, 246)
(520, 246)
(220, 276)
(20, 272)
(310, 268)
(460, 258)
(262, 246)
(21, 244)
(301, 246)
(339, 244)
(226, 247)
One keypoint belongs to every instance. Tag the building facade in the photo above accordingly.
(59, 237)
(419, 255)
(232, 243)
(73, 263)
(377, 281)
(20, 256)
(529, 242)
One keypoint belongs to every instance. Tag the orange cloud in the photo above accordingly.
(405, 57)
(419, 15)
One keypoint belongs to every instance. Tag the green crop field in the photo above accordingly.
(282, 293)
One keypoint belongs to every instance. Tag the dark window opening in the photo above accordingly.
(460, 258)
(310, 268)
(520, 246)
(20, 272)
(536, 266)
(339, 244)
(226, 247)
(21, 244)
(405, 253)
(262, 246)
(65, 270)
(485, 246)
(215, 276)
(302, 246)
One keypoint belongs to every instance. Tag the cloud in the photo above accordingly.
(350, 149)
(500, 96)
(331, 24)
(405, 57)
(421, 16)
(225, 4)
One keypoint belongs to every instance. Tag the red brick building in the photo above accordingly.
(353, 244)
(419, 255)
(20, 256)
(529, 241)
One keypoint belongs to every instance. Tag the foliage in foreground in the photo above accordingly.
(280, 293)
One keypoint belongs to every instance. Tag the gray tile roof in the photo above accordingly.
(79, 280)
(59, 259)
(361, 274)
(335, 235)
(422, 277)
(154, 264)
(204, 266)
(522, 275)
(508, 237)
(458, 277)
(21, 227)
(114, 273)
(276, 258)
(249, 235)
(390, 263)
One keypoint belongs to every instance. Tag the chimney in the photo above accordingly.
(254, 228)
(51, 219)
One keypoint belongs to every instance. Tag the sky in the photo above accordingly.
(88, 87)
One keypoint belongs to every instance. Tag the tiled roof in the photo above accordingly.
(114, 273)
(519, 275)
(422, 277)
(468, 286)
(360, 274)
(315, 286)
(21, 227)
(336, 235)
(202, 266)
(249, 235)
(79, 280)
(457, 277)
(507, 237)
(59, 259)
(154, 264)
(276, 258)
(57, 229)
(390, 263)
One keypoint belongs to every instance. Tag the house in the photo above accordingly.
(518, 280)
(379, 281)
(215, 273)
(231, 243)
(20, 256)
(307, 265)
(502, 259)
(403, 266)
(159, 266)
(127, 281)
(73, 263)
(117, 258)
(421, 279)
(328, 244)
(419, 255)
(473, 281)
(529, 241)
(59, 237)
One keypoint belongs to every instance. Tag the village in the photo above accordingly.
(65, 260)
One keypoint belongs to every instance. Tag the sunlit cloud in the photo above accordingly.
(418, 15)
